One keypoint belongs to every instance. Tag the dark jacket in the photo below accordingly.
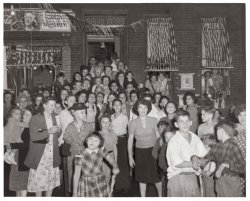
(38, 141)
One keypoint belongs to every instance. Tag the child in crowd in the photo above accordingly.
(182, 146)
(207, 114)
(13, 131)
(160, 148)
(229, 161)
(208, 171)
(89, 179)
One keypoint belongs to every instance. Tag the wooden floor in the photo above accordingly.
(58, 192)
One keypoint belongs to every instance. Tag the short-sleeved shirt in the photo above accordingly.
(119, 124)
(145, 137)
(110, 140)
(180, 150)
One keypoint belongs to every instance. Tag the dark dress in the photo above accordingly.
(19, 173)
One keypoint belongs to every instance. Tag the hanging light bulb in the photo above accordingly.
(12, 12)
(102, 45)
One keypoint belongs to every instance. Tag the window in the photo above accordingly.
(161, 45)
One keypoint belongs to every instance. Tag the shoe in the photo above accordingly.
(11, 158)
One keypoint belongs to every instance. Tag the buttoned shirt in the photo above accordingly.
(180, 150)
(119, 124)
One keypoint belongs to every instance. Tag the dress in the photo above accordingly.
(93, 181)
(46, 177)
(19, 173)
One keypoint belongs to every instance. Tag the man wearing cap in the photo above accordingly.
(75, 134)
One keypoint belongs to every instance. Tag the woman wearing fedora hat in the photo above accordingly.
(75, 134)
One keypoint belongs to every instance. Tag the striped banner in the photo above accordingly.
(216, 42)
(161, 45)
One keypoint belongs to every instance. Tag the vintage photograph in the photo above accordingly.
(124, 99)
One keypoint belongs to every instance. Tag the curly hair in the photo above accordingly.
(96, 135)
(142, 102)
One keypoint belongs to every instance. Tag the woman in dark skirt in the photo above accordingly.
(144, 130)
(19, 173)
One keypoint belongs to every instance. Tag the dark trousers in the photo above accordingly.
(122, 179)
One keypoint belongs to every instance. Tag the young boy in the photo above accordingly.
(229, 161)
(184, 144)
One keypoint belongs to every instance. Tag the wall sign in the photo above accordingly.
(36, 21)
(187, 81)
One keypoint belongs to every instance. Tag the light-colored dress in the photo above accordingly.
(45, 177)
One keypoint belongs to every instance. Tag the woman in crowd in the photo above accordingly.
(130, 79)
(19, 173)
(125, 106)
(190, 101)
(108, 107)
(43, 157)
(144, 130)
(163, 101)
(37, 106)
(81, 96)
(153, 84)
(76, 76)
(92, 112)
(170, 110)
(120, 78)
(8, 104)
(110, 142)
(75, 134)
(119, 126)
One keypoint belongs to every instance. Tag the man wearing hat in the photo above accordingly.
(75, 134)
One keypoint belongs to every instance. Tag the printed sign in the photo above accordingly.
(36, 21)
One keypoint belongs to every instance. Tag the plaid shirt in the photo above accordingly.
(227, 152)
(240, 139)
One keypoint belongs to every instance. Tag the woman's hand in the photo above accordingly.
(131, 162)
(54, 129)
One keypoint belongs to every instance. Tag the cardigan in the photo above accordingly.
(38, 141)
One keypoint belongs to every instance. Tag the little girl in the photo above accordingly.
(88, 166)
(13, 131)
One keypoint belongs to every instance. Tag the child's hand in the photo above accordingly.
(207, 173)
(115, 171)
(220, 169)
(19, 140)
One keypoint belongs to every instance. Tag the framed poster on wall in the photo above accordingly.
(187, 81)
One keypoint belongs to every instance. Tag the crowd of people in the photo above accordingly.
(102, 128)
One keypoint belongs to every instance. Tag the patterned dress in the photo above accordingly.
(240, 139)
(93, 181)
(45, 177)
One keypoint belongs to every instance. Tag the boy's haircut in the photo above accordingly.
(228, 126)
(181, 113)
(13, 110)
(238, 109)
(61, 74)
(192, 95)
(105, 76)
(96, 135)
(208, 109)
(112, 93)
(128, 84)
(163, 123)
(209, 139)
(116, 100)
